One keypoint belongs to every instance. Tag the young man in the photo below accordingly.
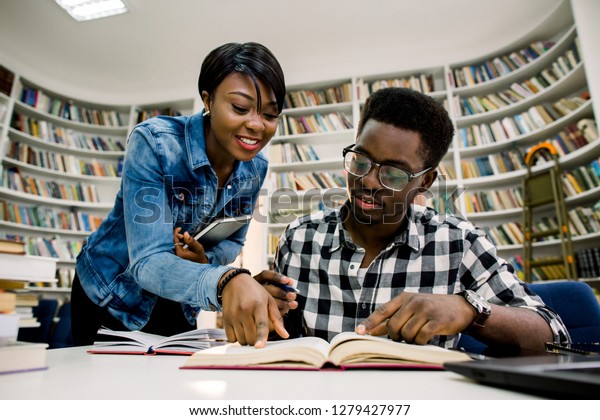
(380, 265)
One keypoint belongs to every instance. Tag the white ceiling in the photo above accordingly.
(156, 49)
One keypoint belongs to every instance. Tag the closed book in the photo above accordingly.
(9, 246)
(27, 268)
(18, 356)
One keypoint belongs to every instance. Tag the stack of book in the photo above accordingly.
(17, 356)
(9, 319)
(18, 271)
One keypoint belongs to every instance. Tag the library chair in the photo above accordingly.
(61, 335)
(44, 313)
(574, 301)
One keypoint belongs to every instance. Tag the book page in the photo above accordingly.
(350, 347)
(137, 340)
(132, 338)
(306, 350)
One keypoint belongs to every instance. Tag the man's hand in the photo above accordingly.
(248, 310)
(418, 317)
(270, 281)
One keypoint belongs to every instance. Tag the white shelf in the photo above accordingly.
(22, 137)
(571, 82)
(32, 169)
(310, 166)
(341, 136)
(55, 202)
(38, 230)
(535, 136)
(119, 131)
(521, 73)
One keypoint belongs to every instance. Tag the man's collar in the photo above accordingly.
(407, 236)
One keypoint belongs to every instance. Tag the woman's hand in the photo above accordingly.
(249, 312)
(193, 252)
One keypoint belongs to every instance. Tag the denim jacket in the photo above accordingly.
(167, 182)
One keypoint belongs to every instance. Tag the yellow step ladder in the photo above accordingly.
(540, 189)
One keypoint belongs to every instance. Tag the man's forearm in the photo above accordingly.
(515, 328)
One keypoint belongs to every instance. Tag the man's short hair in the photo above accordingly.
(410, 110)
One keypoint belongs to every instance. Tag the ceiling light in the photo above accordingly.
(82, 10)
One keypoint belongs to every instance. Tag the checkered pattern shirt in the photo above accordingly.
(434, 254)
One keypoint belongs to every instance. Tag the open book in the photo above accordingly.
(347, 350)
(138, 342)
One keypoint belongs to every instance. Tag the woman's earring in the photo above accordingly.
(207, 112)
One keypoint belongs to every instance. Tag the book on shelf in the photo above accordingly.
(138, 342)
(27, 268)
(347, 350)
(588, 128)
(18, 356)
(10, 246)
(588, 262)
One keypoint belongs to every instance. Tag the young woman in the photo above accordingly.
(181, 173)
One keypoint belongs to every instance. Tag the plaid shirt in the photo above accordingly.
(434, 254)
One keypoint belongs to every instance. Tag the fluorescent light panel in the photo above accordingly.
(82, 10)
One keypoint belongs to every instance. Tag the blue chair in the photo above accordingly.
(574, 301)
(61, 336)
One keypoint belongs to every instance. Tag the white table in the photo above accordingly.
(74, 374)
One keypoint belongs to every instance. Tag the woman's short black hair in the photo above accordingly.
(410, 110)
(250, 58)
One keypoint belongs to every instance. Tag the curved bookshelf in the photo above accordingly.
(50, 137)
(592, 195)
(54, 202)
(571, 82)
(535, 136)
(589, 239)
(324, 108)
(537, 65)
(563, 55)
(340, 136)
(347, 95)
(37, 230)
(33, 169)
(313, 165)
(25, 138)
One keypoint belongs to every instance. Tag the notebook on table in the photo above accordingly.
(551, 375)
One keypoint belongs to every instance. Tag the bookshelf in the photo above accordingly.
(500, 107)
(60, 164)
(320, 118)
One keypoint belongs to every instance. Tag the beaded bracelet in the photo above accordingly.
(227, 280)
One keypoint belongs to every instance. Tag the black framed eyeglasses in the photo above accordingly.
(392, 177)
